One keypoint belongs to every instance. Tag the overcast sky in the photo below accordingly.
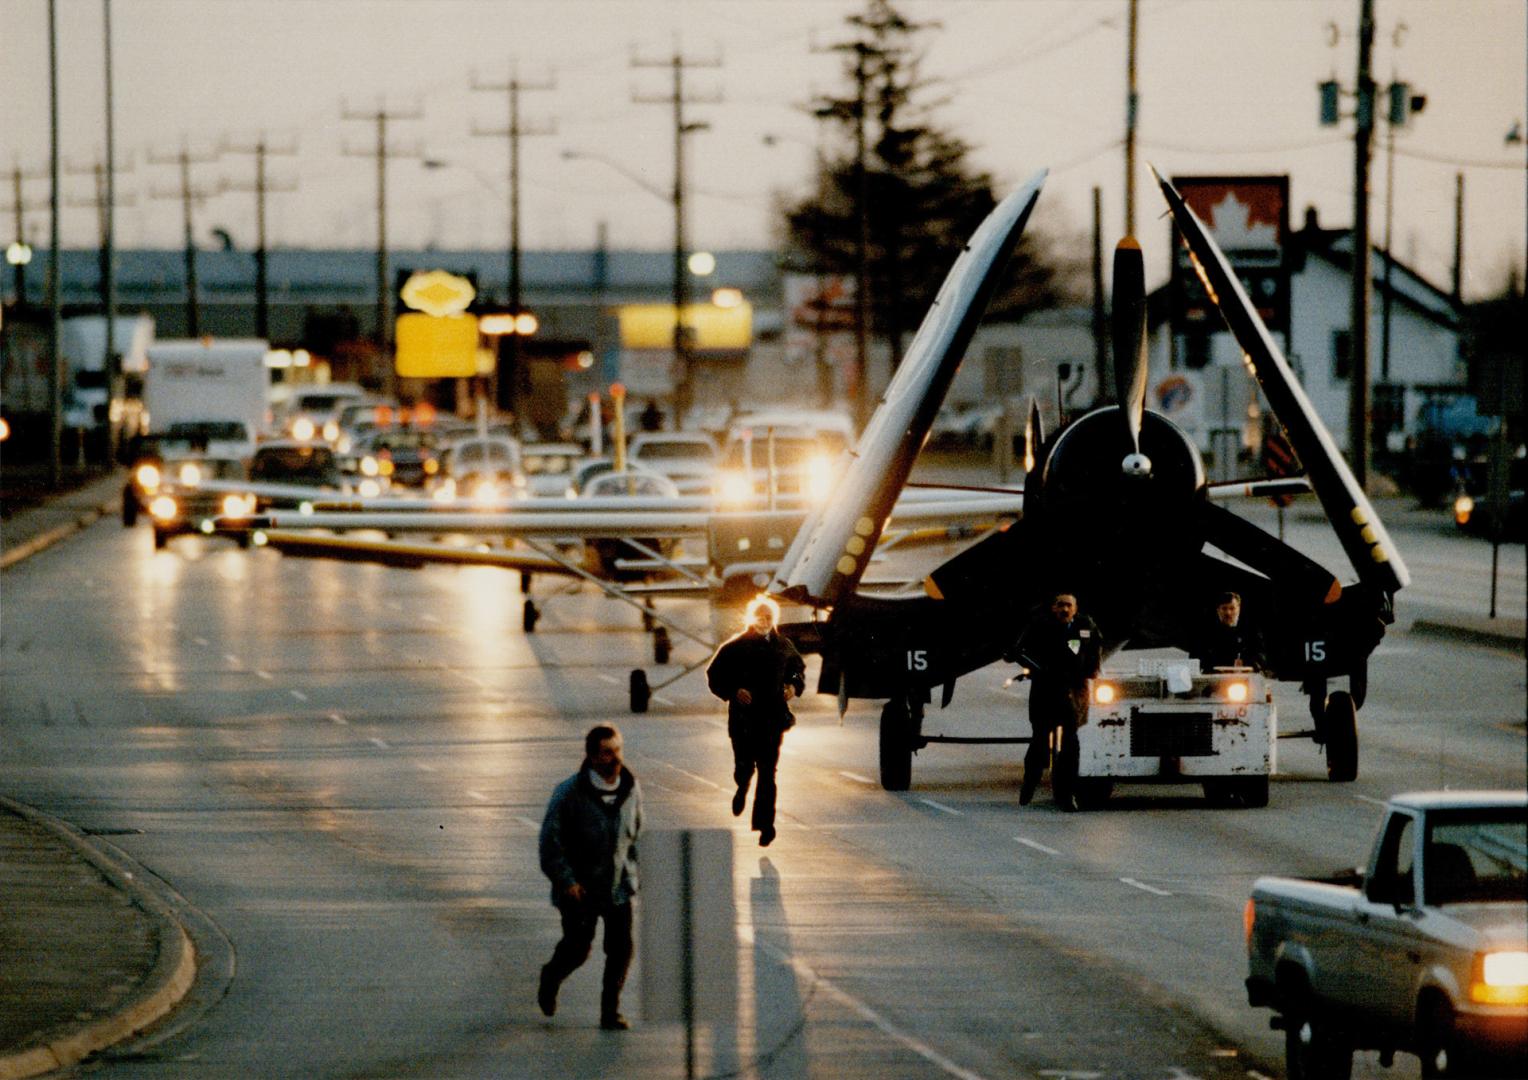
(1227, 86)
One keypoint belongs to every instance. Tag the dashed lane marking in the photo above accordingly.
(661, 700)
(423, 767)
(865, 1012)
(266, 675)
(380, 744)
(1134, 884)
(856, 777)
(1370, 799)
(338, 719)
(1036, 845)
(299, 695)
(943, 809)
(475, 681)
(523, 820)
(201, 641)
(232, 659)
(478, 795)
(610, 678)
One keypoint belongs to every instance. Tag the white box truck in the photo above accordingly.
(212, 385)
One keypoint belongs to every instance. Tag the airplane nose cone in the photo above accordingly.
(1136, 465)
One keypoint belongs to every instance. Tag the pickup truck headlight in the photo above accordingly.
(1464, 506)
(1501, 978)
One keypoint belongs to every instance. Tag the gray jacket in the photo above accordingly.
(589, 837)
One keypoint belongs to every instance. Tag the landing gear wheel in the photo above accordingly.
(641, 693)
(1092, 794)
(647, 621)
(1313, 1050)
(530, 616)
(661, 645)
(129, 508)
(525, 583)
(1341, 732)
(896, 748)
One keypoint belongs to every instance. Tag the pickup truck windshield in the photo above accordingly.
(1476, 855)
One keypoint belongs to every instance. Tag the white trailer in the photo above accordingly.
(1170, 723)
(208, 381)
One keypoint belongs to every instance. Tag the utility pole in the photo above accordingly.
(20, 253)
(188, 195)
(261, 187)
(684, 388)
(1458, 292)
(1132, 109)
(1403, 105)
(115, 388)
(1363, 141)
(102, 202)
(381, 117)
(512, 132)
(55, 323)
(1100, 331)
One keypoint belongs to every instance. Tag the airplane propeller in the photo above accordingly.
(1128, 332)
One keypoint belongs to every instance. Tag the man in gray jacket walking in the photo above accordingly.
(589, 851)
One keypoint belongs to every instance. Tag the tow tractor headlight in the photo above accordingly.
(164, 508)
(1464, 506)
(1501, 978)
(1236, 691)
(1104, 693)
(147, 477)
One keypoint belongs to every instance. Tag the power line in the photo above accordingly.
(188, 196)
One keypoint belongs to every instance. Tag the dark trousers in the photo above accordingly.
(578, 940)
(757, 752)
(1047, 711)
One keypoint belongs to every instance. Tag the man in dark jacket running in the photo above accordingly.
(589, 851)
(1063, 651)
(757, 673)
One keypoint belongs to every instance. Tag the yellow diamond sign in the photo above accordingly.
(436, 292)
(430, 347)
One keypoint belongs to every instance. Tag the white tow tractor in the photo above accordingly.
(1170, 723)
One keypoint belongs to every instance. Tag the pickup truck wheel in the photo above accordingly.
(1313, 1050)
(1341, 738)
(1438, 1045)
(1092, 794)
(896, 747)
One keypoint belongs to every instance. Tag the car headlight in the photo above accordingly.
(1464, 506)
(446, 491)
(369, 466)
(302, 428)
(331, 430)
(735, 487)
(486, 493)
(1104, 693)
(147, 477)
(190, 474)
(164, 508)
(237, 506)
(431, 466)
(1501, 978)
(342, 445)
(1236, 690)
(370, 488)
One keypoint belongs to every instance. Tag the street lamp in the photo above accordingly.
(18, 255)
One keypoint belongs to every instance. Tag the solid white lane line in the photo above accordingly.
(609, 678)
(856, 777)
(1134, 884)
(865, 1012)
(1036, 845)
(299, 695)
(378, 743)
(478, 795)
(422, 767)
(693, 776)
(941, 807)
(266, 675)
(338, 719)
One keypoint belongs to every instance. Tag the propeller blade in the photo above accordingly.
(1128, 333)
(1368, 545)
(1034, 434)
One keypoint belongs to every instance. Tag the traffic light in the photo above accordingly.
(1404, 104)
(1329, 93)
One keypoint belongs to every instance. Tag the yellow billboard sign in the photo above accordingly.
(436, 292)
(436, 347)
(651, 326)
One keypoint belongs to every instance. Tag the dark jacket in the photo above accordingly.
(1226, 646)
(1062, 657)
(764, 665)
(589, 837)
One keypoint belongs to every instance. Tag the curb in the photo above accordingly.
(52, 536)
(167, 983)
(1491, 639)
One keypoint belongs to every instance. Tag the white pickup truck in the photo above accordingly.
(1425, 952)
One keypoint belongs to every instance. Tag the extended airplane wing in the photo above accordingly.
(1358, 527)
(831, 550)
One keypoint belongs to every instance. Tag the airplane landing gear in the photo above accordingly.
(1340, 731)
(530, 616)
(901, 728)
(662, 645)
(641, 693)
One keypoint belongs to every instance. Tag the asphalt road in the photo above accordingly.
(341, 769)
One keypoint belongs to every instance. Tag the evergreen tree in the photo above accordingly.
(922, 197)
